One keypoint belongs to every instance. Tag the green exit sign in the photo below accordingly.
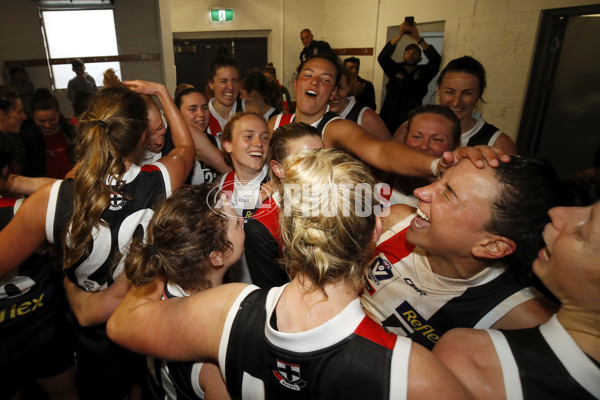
(221, 15)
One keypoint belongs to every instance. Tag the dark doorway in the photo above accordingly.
(560, 118)
(193, 56)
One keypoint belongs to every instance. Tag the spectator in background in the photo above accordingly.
(271, 74)
(313, 47)
(347, 107)
(48, 139)
(265, 94)
(362, 90)
(19, 81)
(81, 81)
(408, 80)
(11, 118)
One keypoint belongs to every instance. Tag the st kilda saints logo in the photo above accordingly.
(116, 201)
(288, 375)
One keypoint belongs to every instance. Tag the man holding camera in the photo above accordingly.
(408, 80)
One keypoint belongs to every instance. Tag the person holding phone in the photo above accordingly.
(408, 80)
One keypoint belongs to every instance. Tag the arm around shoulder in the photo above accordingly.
(25, 232)
(373, 124)
(471, 357)
(146, 324)
(429, 378)
(387, 156)
(529, 314)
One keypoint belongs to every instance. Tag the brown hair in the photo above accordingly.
(109, 131)
(179, 243)
(280, 138)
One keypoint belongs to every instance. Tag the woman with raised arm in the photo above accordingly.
(309, 339)
(95, 216)
(314, 85)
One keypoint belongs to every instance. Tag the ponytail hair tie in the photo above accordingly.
(99, 122)
(152, 249)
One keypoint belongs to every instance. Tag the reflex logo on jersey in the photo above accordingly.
(416, 322)
(20, 309)
(288, 375)
(381, 270)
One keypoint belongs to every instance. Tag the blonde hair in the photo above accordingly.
(109, 131)
(334, 245)
(179, 244)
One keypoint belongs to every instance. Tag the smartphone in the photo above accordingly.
(409, 20)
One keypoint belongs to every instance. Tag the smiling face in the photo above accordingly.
(47, 120)
(194, 109)
(249, 145)
(454, 211)
(568, 265)
(431, 134)
(226, 85)
(11, 120)
(460, 91)
(339, 98)
(314, 86)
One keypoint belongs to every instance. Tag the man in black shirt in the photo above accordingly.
(408, 80)
(361, 89)
(313, 47)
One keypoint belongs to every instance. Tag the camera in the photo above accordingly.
(409, 20)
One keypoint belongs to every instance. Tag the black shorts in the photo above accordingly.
(45, 361)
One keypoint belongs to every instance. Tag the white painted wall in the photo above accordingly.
(280, 20)
(501, 34)
(138, 32)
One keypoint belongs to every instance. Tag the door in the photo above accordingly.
(193, 56)
(560, 118)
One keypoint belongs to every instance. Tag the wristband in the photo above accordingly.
(420, 41)
(435, 166)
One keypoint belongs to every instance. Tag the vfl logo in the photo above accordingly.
(289, 375)
(381, 270)
(116, 202)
